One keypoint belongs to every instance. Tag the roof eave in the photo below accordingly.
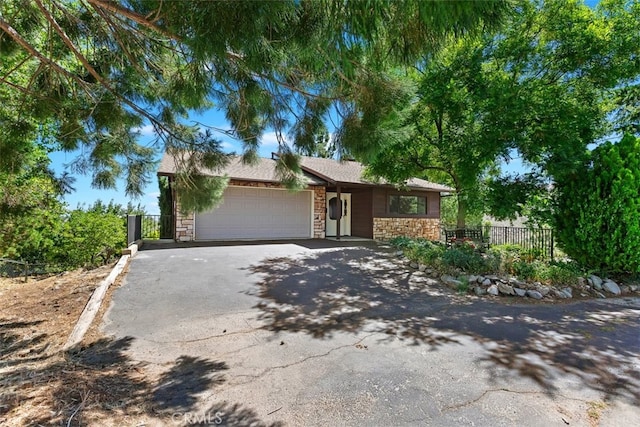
(319, 175)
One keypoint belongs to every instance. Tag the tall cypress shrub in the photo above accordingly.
(598, 210)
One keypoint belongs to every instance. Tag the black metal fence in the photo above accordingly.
(149, 227)
(539, 240)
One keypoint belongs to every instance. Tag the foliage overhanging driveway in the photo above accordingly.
(345, 335)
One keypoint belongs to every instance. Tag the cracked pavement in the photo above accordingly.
(326, 334)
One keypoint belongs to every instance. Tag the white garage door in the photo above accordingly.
(257, 213)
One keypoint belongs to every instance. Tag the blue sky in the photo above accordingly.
(85, 195)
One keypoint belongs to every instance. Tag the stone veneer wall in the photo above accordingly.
(319, 212)
(388, 228)
(185, 223)
(184, 227)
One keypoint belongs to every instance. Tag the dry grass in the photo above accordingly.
(594, 411)
(96, 384)
(40, 384)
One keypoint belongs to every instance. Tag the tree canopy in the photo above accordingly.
(544, 86)
(88, 74)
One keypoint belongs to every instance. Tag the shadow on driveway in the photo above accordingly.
(104, 380)
(352, 289)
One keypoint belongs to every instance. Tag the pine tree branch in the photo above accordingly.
(115, 29)
(136, 17)
(103, 82)
(11, 32)
(3, 79)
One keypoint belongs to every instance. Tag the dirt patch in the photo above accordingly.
(51, 306)
(40, 384)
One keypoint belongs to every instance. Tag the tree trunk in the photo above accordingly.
(462, 210)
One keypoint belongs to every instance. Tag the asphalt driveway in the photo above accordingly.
(302, 333)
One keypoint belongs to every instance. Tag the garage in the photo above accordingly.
(257, 213)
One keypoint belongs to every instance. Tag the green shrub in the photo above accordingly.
(507, 256)
(400, 242)
(421, 250)
(471, 262)
(493, 261)
(598, 210)
(524, 270)
(531, 255)
(86, 234)
(463, 287)
(560, 273)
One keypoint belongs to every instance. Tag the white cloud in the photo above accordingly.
(145, 130)
(270, 139)
(228, 146)
(152, 208)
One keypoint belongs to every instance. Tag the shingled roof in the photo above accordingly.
(350, 172)
(263, 170)
(317, 171)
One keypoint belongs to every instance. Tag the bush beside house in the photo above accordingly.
(504, 270)
(598, 212)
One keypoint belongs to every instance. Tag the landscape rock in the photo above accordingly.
(422, 280)
(451, 281)
(493, 290)
(590, 282)
(534, 294)
(543, 290)
(486, 282)
(624, 289)
(400, 253)
(480, 279)
(568, 292)
(493, 278)
(422, 267)
(600, 295)
(472, 279)
(559, 294)
(633, 288)
(597, 282)
(515, 282)
(581, 281)
(413, 265)
(503, 288)
(479, 290)
(520, 292)
(611, 287)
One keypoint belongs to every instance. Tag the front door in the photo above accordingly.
(334, 208)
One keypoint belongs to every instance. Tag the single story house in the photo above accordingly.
(337, 202)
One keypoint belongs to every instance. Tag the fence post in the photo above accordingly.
(552, 244)
(134, 228)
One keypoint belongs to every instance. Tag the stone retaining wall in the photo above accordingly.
(388, 228)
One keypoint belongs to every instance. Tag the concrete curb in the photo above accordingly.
(133, 248)
(93, 305)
